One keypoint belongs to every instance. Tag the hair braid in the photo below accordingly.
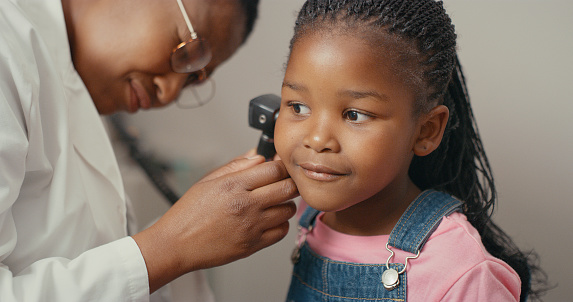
(459, 166)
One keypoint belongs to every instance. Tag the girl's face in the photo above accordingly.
(346, 128)
(121, 49)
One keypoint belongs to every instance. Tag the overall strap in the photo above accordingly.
(421, 219)
(308, 217)
(416, 224)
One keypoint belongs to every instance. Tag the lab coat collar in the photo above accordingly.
(48, 16)
(87, 132)
(91, 142)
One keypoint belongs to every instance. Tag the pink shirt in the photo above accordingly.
(453, 265)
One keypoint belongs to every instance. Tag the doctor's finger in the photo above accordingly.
(238, 164)
(273, 235)
(262, 175)
(275, 193)
(278, 214)
(252, 152)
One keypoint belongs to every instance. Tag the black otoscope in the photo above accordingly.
(263, 112)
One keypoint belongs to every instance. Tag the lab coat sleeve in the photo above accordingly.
(112, 272)
(106, 273)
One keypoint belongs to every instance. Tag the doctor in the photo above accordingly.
(62, 203)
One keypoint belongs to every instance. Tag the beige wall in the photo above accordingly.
(518, 61)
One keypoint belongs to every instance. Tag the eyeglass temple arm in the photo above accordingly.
(184, 12)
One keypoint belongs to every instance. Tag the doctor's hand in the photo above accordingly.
(230, 214)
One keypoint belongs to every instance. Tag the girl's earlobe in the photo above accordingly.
(431, 130)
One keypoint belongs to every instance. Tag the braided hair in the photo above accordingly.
(459, 166)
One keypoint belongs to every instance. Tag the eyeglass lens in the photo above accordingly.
(191, 56)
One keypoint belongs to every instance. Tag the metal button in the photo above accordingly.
(390, 279)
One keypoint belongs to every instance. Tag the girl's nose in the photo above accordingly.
(168, 86)
(322, 138)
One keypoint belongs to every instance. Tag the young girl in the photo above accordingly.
(378, 134)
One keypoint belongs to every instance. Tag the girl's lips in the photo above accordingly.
(320, 172)
(139, 97)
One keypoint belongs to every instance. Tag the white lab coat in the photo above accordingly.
(63, 210)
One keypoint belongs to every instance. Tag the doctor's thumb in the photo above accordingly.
(235, 165)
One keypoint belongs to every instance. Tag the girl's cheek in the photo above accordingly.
(284, 139)
(278, 137)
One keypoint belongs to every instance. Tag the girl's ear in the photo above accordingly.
(432, 129)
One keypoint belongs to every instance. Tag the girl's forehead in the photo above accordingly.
(346, 63)
(371, 49)
(335, 50)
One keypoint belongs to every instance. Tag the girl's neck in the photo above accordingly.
(375, 216)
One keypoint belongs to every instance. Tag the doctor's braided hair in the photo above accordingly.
(420, 36)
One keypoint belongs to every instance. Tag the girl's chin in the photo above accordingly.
(324, 204)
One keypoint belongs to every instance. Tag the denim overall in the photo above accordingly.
(317, 278)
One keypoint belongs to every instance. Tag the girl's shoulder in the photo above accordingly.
(455, 253)
(456, 235)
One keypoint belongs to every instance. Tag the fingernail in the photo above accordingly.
(254, 157)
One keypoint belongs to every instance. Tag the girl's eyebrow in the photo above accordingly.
(348, 93)
(294, 86)
(355, 94)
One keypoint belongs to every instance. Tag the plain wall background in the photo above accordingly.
(517, 57)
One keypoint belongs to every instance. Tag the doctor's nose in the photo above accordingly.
(321, 138)
(169, 86)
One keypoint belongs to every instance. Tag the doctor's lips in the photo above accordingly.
(320, 172)
(139, 97)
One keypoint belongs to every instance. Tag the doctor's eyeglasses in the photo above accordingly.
(192, 57)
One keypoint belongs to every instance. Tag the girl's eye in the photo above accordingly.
(299, 108)
(356, 116)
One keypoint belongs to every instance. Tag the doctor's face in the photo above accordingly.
(121, 49)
